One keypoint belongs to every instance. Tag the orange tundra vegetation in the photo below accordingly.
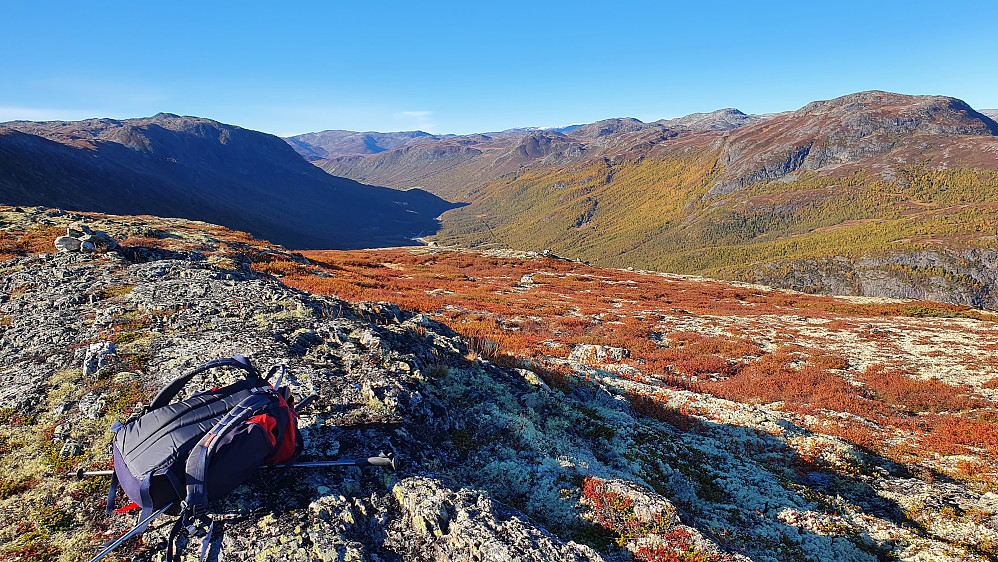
(518, 311)
(33, 240)
(731, 341)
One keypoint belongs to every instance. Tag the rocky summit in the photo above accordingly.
(500, 460)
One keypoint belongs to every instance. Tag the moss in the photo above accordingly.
(10, 416)
(10, 488)
(129, 337)
(463, 440)
(98, 484)
(51, 457)
(138, 360)
(112, 291)
(54, 519)
(600, 538)
(29, 547)
(600, 432)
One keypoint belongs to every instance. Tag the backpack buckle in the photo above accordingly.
(195, 520)
(200, 526)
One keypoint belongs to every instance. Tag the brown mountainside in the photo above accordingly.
(454, 166)
(868, 130)
(873, 194)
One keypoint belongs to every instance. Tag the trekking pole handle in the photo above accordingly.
(380, 460)
(81, 474)
(299, 407)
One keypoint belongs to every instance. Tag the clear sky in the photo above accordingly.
(467, 66)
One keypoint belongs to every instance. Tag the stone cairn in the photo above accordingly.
(81, 238)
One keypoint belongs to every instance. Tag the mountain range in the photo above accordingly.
(873, 193)
(197, 168)
(544, 408)
(452, 166)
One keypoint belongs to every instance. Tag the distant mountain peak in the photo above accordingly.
(192, 167)
(718, 120)
(335, 143)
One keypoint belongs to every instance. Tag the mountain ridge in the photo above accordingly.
(202, 169)
(872, 193)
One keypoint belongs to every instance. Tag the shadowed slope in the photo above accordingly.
(201, 169)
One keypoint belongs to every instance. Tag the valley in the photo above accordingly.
(870, 194)
(713, 338)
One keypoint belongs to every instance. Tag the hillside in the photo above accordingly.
(454, 167)
(871, 194)
(334, 144)
(545, 409)
(201, 169)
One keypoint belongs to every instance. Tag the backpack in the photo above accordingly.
(201, 448)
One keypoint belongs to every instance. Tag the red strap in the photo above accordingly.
(288, 442)
(128, 507)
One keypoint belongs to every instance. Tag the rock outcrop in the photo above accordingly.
(852, 130)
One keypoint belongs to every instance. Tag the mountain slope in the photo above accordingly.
(853, 132)
(337, 143)
(542, 409)
(202, 169)
(454, 167)
(873, 194)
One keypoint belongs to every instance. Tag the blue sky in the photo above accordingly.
(461, 67)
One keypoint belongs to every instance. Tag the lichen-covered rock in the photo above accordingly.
(438, 523)
(589, 354)
(68, 244)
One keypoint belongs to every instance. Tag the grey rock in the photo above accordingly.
(78, 229)
(70, 449)
(68, 244)
(97, 357)
(101, 241)
(63, 408)
(92, 405)
(464, 524)
(598, 354)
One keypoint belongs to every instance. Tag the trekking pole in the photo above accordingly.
(135, 530)
(381, 460)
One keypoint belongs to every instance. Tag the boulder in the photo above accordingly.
(97, 357)
(78, 229)
(68, 244)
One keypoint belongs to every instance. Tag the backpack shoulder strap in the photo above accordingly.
(195, 504)
(171, 390)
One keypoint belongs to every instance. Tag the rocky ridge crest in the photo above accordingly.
(500, 462)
